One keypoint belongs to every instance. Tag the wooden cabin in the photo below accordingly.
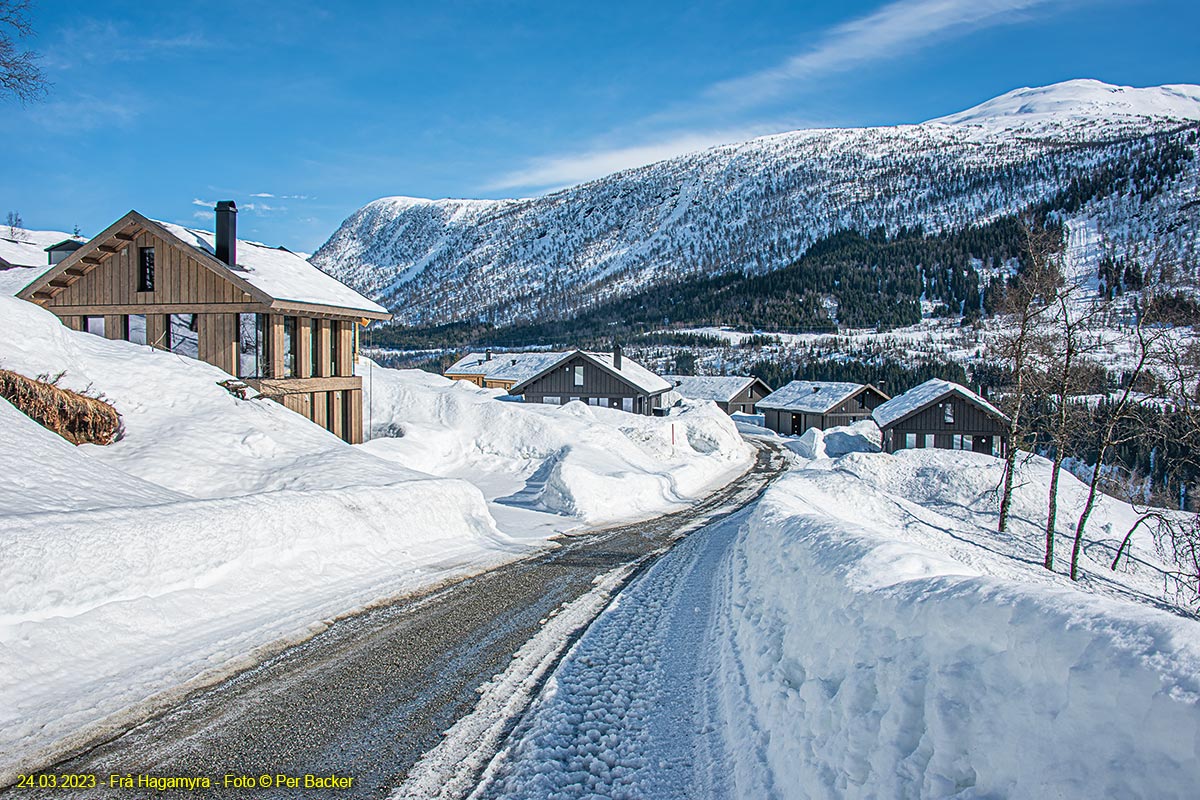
(263, 314)
(800, 405)
(733, 394)
(944, 415)
(600, 379)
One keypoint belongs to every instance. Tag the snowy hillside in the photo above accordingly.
(758, 205)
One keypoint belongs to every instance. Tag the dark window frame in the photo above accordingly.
(146, 269)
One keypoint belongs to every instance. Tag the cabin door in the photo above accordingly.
(797, 424)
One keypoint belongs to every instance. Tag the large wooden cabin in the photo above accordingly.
(944, 415)
(262, 314)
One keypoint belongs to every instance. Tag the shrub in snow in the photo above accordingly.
(73, 416)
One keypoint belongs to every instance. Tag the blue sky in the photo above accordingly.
(302, 112)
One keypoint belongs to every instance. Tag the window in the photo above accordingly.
(289, 347)
(94, 325)
(594, 401)
(135, 328)
(579, 375)
(334, 346)
(551, 400)
(910, 441)
(627, 404)
(948, 412)
(250, 346)
(182, 338)
(862, 399)
(145, 269)
(312, 346)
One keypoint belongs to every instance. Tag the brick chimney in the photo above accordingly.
(226, 244)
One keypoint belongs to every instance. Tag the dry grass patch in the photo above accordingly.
(73, 416)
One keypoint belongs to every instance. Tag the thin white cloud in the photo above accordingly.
(261, 194)
(896, 29)
(556, 172)
(204, 203)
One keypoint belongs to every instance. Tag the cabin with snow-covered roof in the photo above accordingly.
(941, 414)
(800, 405)
(262, 314)
(733, 394)
(489, 370)
(608, 380)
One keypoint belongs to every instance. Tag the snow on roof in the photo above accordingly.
(521, 367)
(721, 388)
(26, 252)
(918, 397)
(810, 397)
(633, 372)
(281, 273)
(28, 248)
(514, 367)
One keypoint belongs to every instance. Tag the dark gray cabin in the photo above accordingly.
(800, 405)
(599, 379)
(944, 415)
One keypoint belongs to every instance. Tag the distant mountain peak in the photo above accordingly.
(1083, 98)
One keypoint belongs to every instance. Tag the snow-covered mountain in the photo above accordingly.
(757, 205)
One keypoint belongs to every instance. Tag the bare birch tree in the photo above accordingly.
(20, 76)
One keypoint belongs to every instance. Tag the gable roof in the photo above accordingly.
(631, 372)
(280, 273)
(514, 367)
(921, 397)
(813, 397)
(719, 388)
(273, 276)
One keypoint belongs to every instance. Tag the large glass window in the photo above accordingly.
(334, 346)
(579, 375)
(94, 325)
(135, 328)
(948, 413)
(183, 338)
(289, 347)
(250, 346)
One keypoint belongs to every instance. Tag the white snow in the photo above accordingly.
(814, 397)
(863, 632)
(918, 397)
(216, 530)
(579, 462)
(719, 388)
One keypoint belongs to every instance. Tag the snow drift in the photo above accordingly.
(895, 646)
(597, 465)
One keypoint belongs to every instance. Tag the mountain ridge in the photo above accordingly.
(756, 206)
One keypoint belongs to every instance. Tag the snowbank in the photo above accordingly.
(895, 646)
(214, 529)
(861, 437)
(597, 465)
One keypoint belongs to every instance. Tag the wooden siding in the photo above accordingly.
(970, 419)
(846, 412)
(597, 383)
(179, 278)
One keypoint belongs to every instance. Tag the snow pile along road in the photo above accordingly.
(595, 465)
(216, 526)
(895, 646)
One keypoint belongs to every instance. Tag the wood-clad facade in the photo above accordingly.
(951, 422)
(744, 401)
(856, 407)
(581, 378)
(138, 281)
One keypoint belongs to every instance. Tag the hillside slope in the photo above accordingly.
(756, 206)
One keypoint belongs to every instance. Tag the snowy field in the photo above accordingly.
(864, 632)
(218, 529)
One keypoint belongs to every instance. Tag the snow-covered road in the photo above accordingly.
(634, 710)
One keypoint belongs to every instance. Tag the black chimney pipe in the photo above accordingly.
(616, 356)
(226, 246)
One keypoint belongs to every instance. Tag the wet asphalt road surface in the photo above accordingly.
(367, 697)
